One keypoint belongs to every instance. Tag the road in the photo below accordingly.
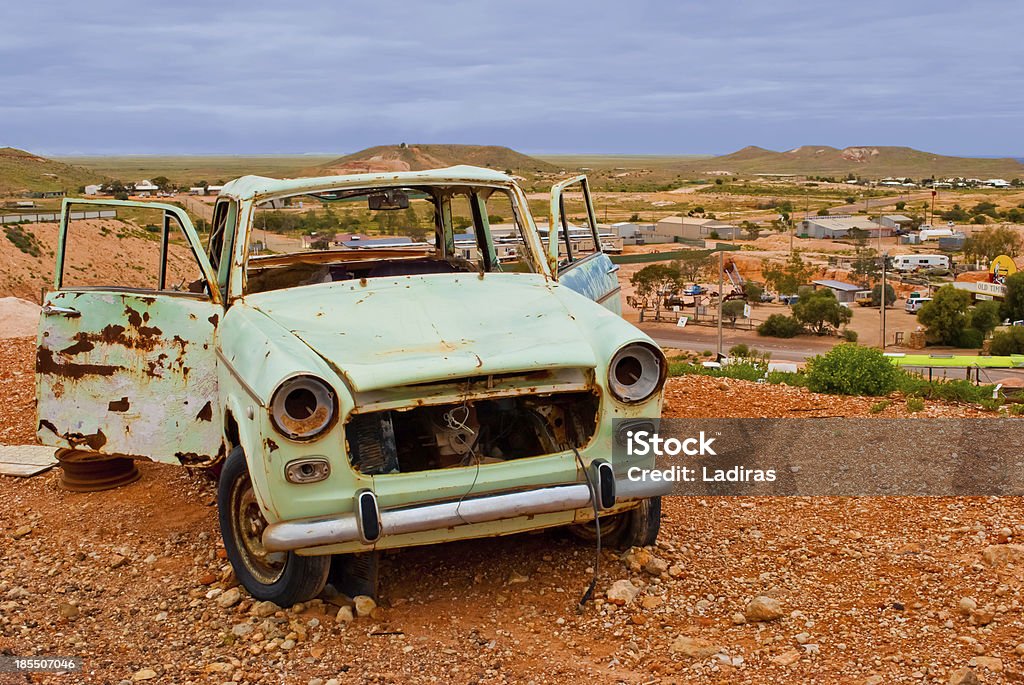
(706, 338)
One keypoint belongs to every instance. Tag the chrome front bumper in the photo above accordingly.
(333, 530)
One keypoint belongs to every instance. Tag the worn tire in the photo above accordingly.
(637, 527)
(283, 578)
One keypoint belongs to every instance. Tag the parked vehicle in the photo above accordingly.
(694, 289)
(913, 262)
(788, 299)
(914, 304)
(362, 398)
(862, 298)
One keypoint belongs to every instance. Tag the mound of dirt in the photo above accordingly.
(18, 318)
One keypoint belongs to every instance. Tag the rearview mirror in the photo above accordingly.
(388, 200)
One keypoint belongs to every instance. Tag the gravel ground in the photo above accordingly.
(738, 590)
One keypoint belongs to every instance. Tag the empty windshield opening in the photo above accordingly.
(357, 233)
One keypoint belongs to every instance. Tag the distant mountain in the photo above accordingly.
(22, 171)
(419, 157)
(867, 161)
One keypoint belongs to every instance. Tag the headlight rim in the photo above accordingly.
(615, 387)
(277, 396)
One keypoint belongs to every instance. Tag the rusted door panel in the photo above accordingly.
(129, 373)
(593, 276)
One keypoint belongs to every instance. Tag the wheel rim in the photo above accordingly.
(266, 566)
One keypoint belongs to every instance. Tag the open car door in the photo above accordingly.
(576, 251)
(126, 363)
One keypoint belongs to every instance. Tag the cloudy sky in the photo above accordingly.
(630, 76)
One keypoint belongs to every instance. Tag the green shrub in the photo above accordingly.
(991, 404)
(780, 326)
(24, 240)
(849, 369)
(915, 404)
(879, 407)
(971, 338)
(1016, 409)
(740, 350)
(1010, 341)
(849, 335)
(951, 391)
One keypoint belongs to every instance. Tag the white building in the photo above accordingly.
(93, 189)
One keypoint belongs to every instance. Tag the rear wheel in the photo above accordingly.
(637, 527)
(283, 578)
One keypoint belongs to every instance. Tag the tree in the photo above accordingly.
(876, 295)
(991, 242)
(1010, 341)
(752, 291)
(821, 311)
(900, 206)
(1013, 305)
(865, 264)
(693, 265)
(780, 326)
(984, 317)
(163, 183)
(787, 278)
(945, 317)
(823, 211)
(732, 310)
(655, 279)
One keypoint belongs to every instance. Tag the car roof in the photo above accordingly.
(251, 187)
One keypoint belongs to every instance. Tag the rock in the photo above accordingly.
(622, 592)
(677, 570)
(873, 680)
(694, 647)
(345, 615)
(68, 611)
(21, 532)
(786, 658)
(1019, 650)
(315, 681)
(636, 558)
(241, 629)
(656, 567)
(144, 674)
(265, 609)
(117, 561)
(651, 602)
(332, 681)
(763, 609)
(515, 578)
(989, 662)
(739, 619)
(1000, 555)
(963, 676)
(802, 638)
(229, 599)
(967, 605)
(207, 579)
(364, 605)
(219, 667)
(288, 644)
(981, 617)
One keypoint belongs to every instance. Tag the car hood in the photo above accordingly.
(415, 329)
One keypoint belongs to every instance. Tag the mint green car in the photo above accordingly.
(461, 377)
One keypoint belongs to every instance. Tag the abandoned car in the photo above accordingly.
(461, 377)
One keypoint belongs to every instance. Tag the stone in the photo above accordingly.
(1019, 650)
(345, 615)
(288, 644)
(651, 602)
(1000, 555)
(656, 567)
(802, 638)
(873, 680)
(981, 617)
(117, 561)
(622, 592)
(763, 609)
(786, 658)
(144, 674)
(68, 611)
(694, 647)
(364, 605)
(242, 629)
(229, 599)
(207, 579)
(515, 578)
(963, 676)
(967, 605)
(739, 619)
(635, 558)
(21, 532)
(219, 667)
(265, 609)
(989, 662)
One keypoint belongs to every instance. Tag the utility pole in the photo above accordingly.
(885, 257)
(721, 297)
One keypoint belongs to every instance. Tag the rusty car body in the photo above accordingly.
(364, 399)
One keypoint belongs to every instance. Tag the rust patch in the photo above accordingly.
(137, 321)
(119, 405)
(214, 319)
(271, 445)
(191, 459)
(48, 366)
(82, 344)
(206, 413)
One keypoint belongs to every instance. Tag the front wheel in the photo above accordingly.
(283, 578)
(637, 527)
